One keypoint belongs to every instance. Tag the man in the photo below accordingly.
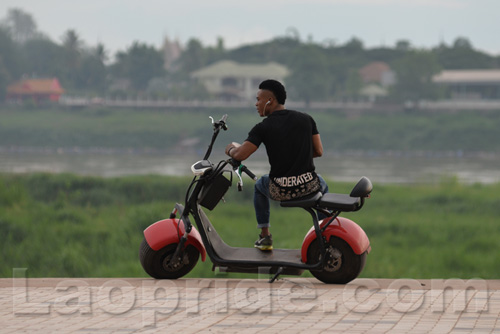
(292, 141)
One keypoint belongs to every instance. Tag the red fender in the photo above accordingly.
(343, 228)
(167, 231)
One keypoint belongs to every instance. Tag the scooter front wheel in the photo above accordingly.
(158, 264)
(342, 264)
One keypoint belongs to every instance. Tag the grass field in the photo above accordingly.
(64, 225)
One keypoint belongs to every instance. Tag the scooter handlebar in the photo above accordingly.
(237, 164)
(249, 173)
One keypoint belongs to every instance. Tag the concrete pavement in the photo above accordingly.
(289, 305)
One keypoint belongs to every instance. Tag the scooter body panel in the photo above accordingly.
(169, 231)
(343, 228)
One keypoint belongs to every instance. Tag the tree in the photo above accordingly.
(462, 43)
(414, 73)
(22, 25)
(353, 84)
(463, 56)
(309, 74)
(73, 47)
(43, 58)
(92, 73)
(139, 64)
(193, 56)
(354, 45)
(101, 53)
(4, 79)
(403, 45)
(212, 54)
(10, 61)
(293, 33)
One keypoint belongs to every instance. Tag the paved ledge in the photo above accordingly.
(291, 305)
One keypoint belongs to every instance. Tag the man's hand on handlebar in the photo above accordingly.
(231, 147)
(241, 152)
(247, 148)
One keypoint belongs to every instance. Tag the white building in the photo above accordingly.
(233, 81)
(470, 84)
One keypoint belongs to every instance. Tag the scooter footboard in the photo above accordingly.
(343, 228)
(169, 231)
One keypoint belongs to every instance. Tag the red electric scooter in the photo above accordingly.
(334, 250)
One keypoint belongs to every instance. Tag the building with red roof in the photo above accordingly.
(35, 89)
(378, 72)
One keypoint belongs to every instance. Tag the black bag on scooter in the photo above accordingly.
(213, 192)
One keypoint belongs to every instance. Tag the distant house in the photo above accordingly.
(470, 84)
(233, 81)
(373, 92)
(377, 72)
(35, 89)
(377, 76)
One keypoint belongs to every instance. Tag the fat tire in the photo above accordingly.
(351, 266)
(152, 261)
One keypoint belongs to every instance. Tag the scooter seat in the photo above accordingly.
(304, 202)
(339, 202)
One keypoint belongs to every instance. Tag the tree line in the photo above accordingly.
(320, 71)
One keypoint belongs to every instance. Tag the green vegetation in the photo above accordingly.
(71, 226)
(152, 129)
(320, 71)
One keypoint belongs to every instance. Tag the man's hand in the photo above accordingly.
(231, 147)
(240, 152)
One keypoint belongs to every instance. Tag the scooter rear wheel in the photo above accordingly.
(342, 264)
(156, 263)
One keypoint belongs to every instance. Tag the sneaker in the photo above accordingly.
(264, 243)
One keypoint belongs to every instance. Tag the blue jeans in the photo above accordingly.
(261, 199)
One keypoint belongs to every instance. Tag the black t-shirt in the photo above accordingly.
(287, 135)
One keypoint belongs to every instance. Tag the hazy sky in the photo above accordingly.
(118, 23)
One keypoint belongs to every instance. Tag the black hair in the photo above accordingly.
(276, 88)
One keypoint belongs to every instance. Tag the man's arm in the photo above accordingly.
(240, 152)
(317, 146)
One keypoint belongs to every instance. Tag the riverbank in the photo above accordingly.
(381, 167)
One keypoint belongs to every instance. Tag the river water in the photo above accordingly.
(387, 167)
